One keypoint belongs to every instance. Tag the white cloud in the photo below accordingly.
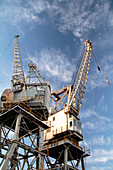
(101, 156)
(89, 125)
(101, 140)
(102, 105)
(55, 64)
(100, 168)
(78, 16)
(88, 113)
(38, 6)
(95, 121)
(101, 101)
(17, 12)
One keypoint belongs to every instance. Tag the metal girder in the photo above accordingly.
(20, 151)
(14, 145)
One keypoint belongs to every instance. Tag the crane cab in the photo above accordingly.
(62, 123)
(74, 124)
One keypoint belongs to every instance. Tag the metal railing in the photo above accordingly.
(66, 138)
(25, 107)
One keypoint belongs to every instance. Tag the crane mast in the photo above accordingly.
(18, 79)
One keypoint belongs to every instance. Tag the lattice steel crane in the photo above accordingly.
(65, 132)
(31, 90)
(18, 79)
(23, 110)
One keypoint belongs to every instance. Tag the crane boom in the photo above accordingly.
(18, 79)
(75, 92)
(78, 89)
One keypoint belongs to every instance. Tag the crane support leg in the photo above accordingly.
(13, 145)
(82, 162)
(65, 158)
(38, 146)
(42, 162)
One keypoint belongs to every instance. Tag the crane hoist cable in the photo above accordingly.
(6, 48)
(24, 53)
(74, 74)
(77, 66)
(99, 67)
(96, 62)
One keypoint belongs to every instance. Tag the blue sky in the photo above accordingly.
(53, 33)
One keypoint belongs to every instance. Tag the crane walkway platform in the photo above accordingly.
(76, 151)
(33, 118)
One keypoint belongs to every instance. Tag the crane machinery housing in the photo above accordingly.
(26, 113)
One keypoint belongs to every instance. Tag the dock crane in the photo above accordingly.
(65, 130)
(33, 90)
(24, 108)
